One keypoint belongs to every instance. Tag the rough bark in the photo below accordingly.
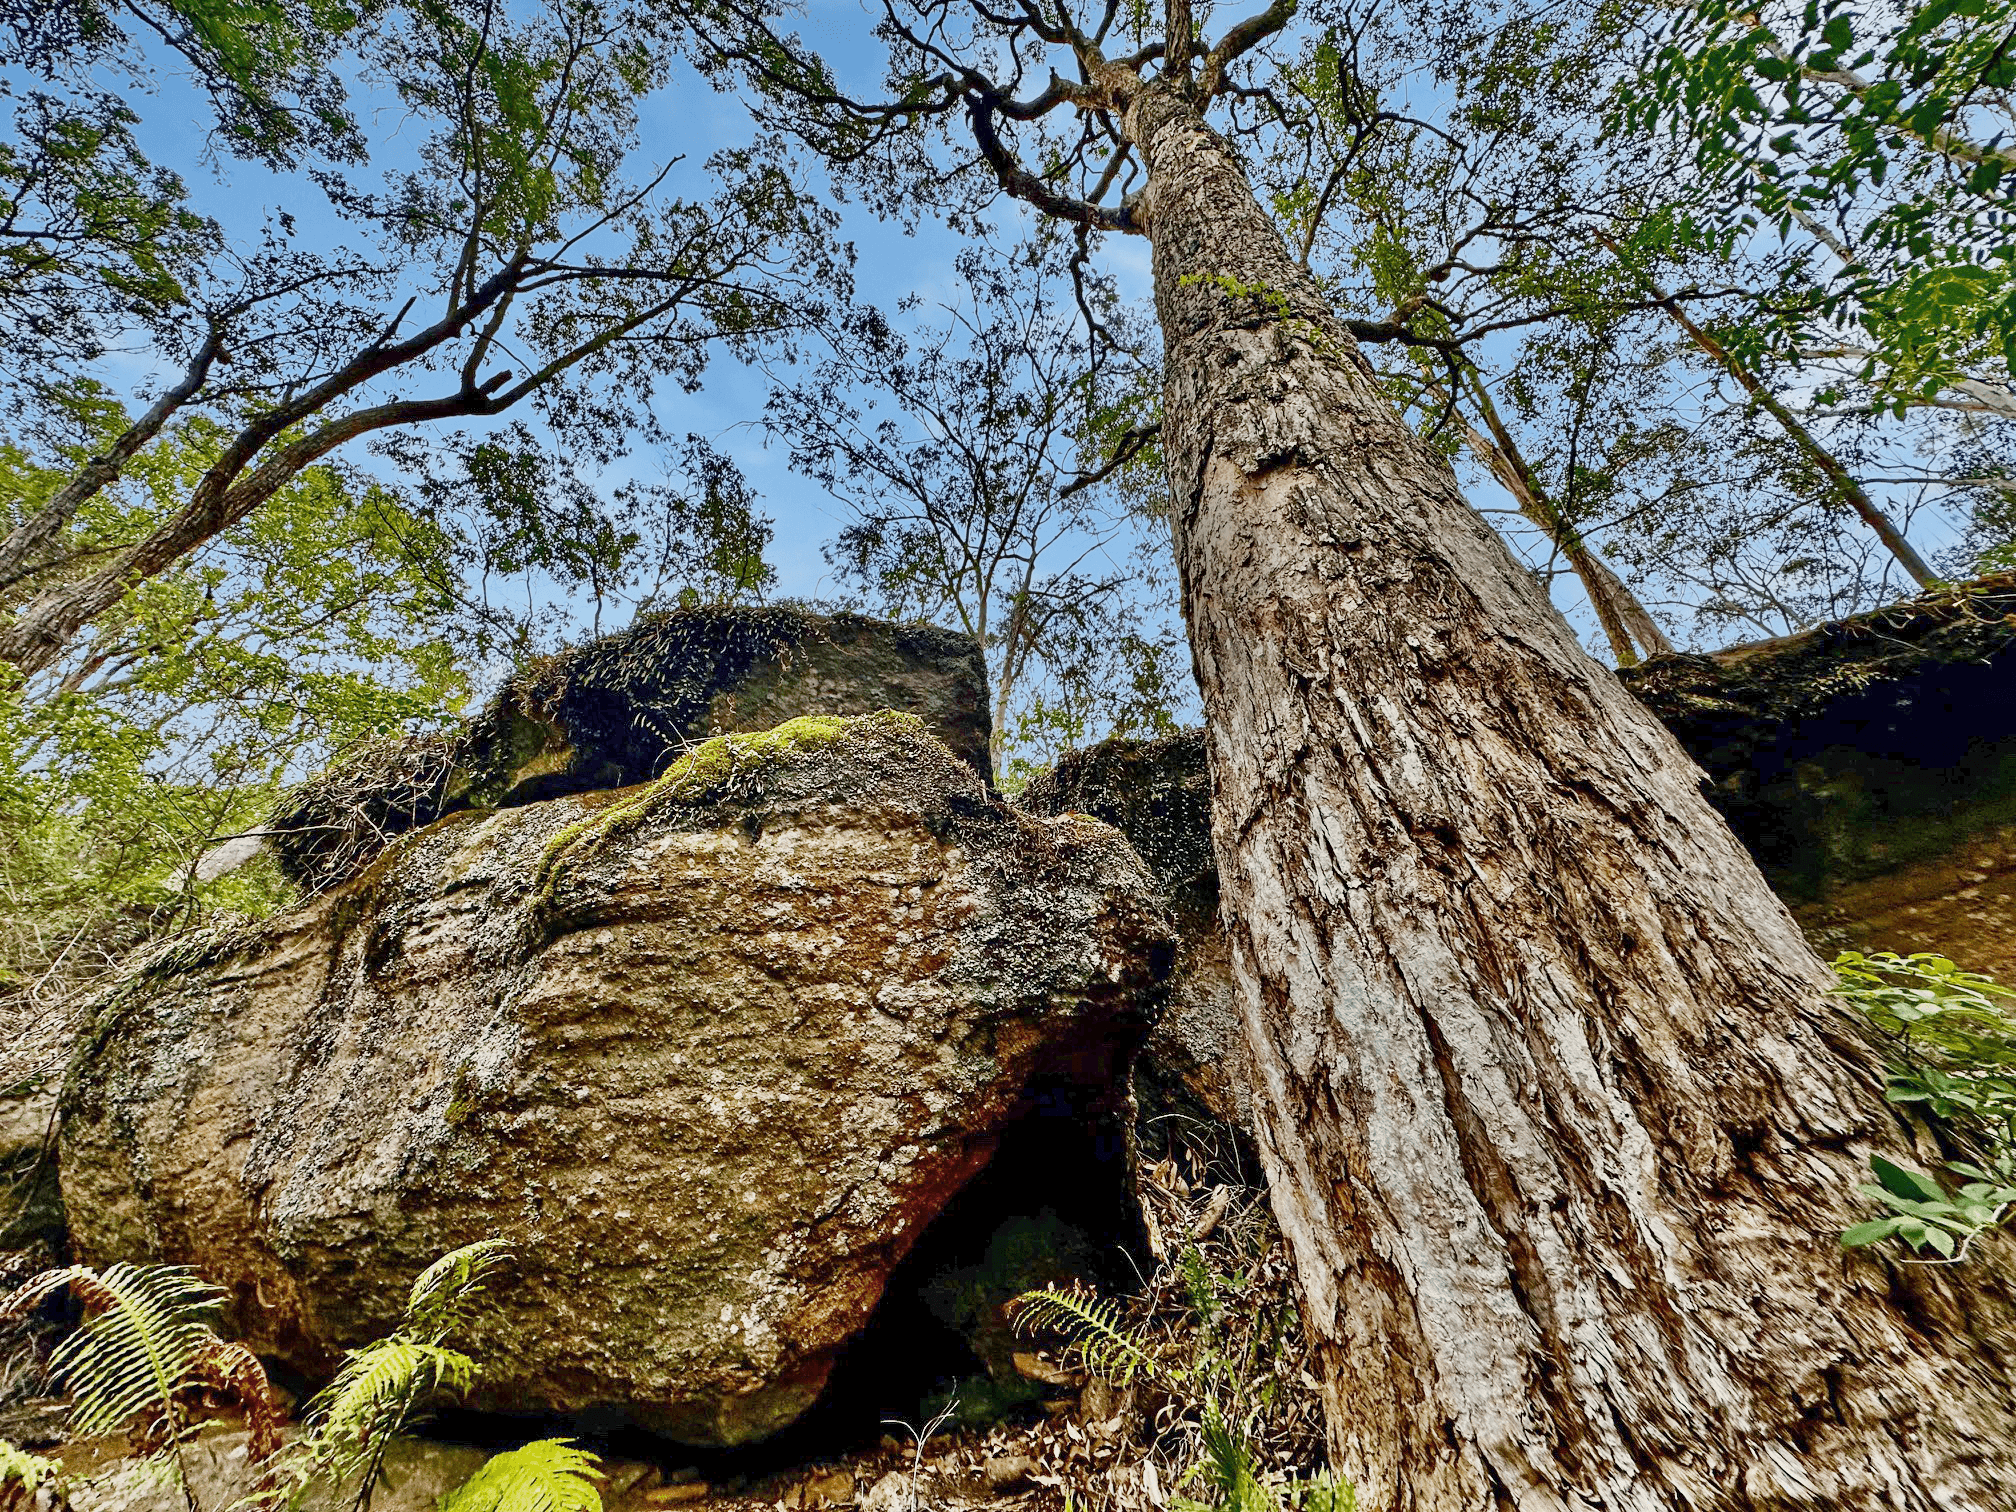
(1555, 1112)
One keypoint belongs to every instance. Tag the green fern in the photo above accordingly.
(144, 1327)
(377, 1394)
(146, 1335)
(448, 1293)
(1231, 1470)
(547, 1475)
(386, 1386)
(21, 1473)
(1098, 1337)
(1325, 1493)
(1228, 1465)
(1200, 1287)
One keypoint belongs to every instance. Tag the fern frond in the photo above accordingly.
(1200, 1286)
(233, 1371)
(1325, 1493)
(383, 1386)
(1229, 1465)
(547, 1475)
(21, 1472)
(379, 1391)
(144, 1326)
(1093, 1325)
(445, 1296)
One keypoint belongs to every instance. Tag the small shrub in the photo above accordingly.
(145, 1343)
(1214, 1346)
(21, 1476)
(1952, 1055)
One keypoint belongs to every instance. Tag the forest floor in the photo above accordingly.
(1121, 1427)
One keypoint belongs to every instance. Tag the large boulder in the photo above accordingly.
(1869, 764)
(711, 1053)
(621, 709)
(1158, 794)
(31, 1205)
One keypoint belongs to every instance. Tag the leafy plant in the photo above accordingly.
(21, 1475)
(145, 1339)
(384, 1387)
(546, 1475)
(1953, 1055)
(1217, 1365)
(1097, 1332)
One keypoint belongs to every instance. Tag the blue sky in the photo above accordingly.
(688, 119)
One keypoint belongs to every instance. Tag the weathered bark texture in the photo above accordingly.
(1555, 1114)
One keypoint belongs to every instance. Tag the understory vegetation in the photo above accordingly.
(1951, 1039)
(145, 1361)
(1193, 1392)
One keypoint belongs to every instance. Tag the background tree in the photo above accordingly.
(541, 269)
(1547, 285)
(341, 611)
(958, 451)
(1881, 140)
(1554, 1110)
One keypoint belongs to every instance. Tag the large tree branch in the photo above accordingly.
(1026, 186)
(1241, 39)
(1134, 441)
(28, 544)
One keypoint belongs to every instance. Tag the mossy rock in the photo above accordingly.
(711, 1052)
(1858, 746)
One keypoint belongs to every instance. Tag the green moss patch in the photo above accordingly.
(726, 769)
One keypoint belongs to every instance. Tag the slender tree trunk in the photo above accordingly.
(1556, 1116)
(1627, 624)
(1842, 481)
(1602, 584)
(36, 539)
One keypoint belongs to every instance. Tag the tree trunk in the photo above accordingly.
(1613, 600)
(1556, 1116)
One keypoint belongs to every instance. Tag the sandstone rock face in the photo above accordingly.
(31, 1207)
(1158, 794)
(621, 709)
(1869, 764)
(711, 1053)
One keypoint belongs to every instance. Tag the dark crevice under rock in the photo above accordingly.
(1055, 1203)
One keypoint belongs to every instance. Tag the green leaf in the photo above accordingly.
(547, 1475)
(1906, 1183)
(1872, 1232)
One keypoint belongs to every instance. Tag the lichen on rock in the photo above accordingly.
(621, 709)
(1158, 794)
